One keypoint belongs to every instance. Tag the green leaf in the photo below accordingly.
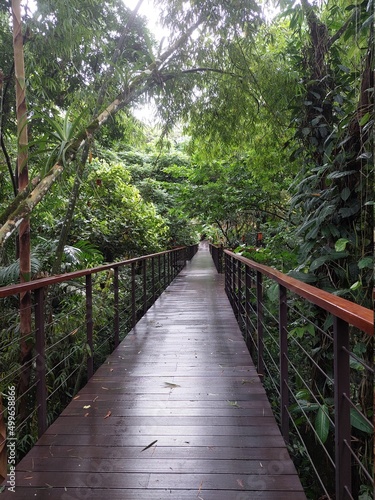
(365, 118)
(340, 244)
(303, 394)
(345, 193)
(359, 422)
(356, 285)
(320, 261)
(338, 174)
(273, 292)
(366, 262)
(322, 423)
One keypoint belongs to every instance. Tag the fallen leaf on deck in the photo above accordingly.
(86, 407)
(109, 413)
(149, 446)
(234, 403)
(76, 397)
(95, 399)
(240, 483)
(87, 414)
(105, 388)
(199, 489)
(172, 386)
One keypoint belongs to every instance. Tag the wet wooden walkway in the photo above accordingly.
(177, 412)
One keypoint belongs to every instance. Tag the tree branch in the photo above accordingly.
(26, 206)
(342, 30)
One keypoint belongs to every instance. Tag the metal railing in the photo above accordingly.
(217, 253)
(313, 351)
(78, 318)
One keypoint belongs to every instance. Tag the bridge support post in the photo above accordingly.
(283, 333)
(89, 327)
(116, 307)
(342, 408)
(260, 323)
(41, 388)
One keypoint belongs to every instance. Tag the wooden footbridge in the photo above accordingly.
(176, 412)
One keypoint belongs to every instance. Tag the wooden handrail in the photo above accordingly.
(352, 313)
(6, 291)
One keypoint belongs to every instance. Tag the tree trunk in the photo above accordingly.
(23, 181)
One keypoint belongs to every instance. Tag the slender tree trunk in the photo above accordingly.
(23, 181)
(56, 267)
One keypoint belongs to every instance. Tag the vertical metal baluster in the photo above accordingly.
(165, 271)
(283, 336)
(153, 279)
(342, 408)
(133, 298)
(260, 318)
(239, 292)
(89, 327)
(226, 279)
(116, 320)
(144, 262)
(41, 388)
(159, 270)
(247, 307)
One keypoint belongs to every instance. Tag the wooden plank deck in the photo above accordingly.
(177, 412)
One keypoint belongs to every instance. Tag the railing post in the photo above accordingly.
(133, 298)
(169, 265)
(220, 259)
(283, 336)
(159, 274)
(260, 323)
(89, 327)
(247, 306)
(342, 408)
(232, 282)
(153, 279)
(41, 388)
(226, 274)
(165, 271)
(144, 286)
(239, 291)
(230, 279)
(116, 322)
